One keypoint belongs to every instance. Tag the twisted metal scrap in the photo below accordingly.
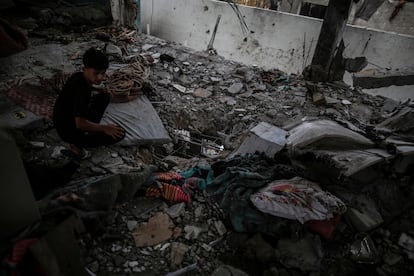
(125, 84)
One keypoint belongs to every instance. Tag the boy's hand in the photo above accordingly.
(114, 131)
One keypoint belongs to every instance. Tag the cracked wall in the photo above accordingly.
(276, 39)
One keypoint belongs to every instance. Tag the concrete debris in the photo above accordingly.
(390, 105)
(298, 254)
(318, 98)
(235, 88)
(221, 229)
(180, 88)
(348, 142)
(57, 252)
(401, 122)
(353, 162)
(113, 50)
(362, 221)
(158, 229)
(131, 224)
(364, 251)
(375, 78)
(257, 248)
(331, 101)
(178, 251)
(324, 134)
(202, 93)
(192, 232)
(263, 138)
(176, 210)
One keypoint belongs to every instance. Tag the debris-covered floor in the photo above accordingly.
(331, 194)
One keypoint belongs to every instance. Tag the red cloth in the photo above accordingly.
(19, 264)
(325, 228)
(169, 192)
(168, 176)
(19, 250)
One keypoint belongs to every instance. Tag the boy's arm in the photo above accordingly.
(111, 130)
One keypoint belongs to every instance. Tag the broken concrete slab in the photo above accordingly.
(318, 98)
(405, 158)
(362, 221)
(176, 210)
(375, 78)
(258, 248)
(100, 193)
(362, 212)
(139, 119)
(407, 242)
(158, 229)
(131, 180)
(364, 251)
(54, 55)
(390, 105)
(16, 197)
(235, 88)
(324, 134)
(298, 254)
(192, 232)
(401, 122)
(359, 165)
(58, 253)
(178, 251)
(354, 161)
(143, 206)
(263, 138)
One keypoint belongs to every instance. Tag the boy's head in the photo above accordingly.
(95, 64)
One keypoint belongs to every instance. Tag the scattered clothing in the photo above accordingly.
(168, 176)
(299, 199)
(197, 178)
(169, 192)
(236, 180)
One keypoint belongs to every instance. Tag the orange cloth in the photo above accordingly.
(169, 192)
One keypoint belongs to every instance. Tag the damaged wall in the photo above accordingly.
(279, 40)
(193, 24)
(376, 15)
(402, 23)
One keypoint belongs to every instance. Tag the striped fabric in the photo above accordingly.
(168, 176)
(168, 192)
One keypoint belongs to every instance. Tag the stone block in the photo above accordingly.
(263, 138)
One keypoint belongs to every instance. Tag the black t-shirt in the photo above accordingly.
(72, 102)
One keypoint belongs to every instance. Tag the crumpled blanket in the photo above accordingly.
(297, 198)
(236, 180)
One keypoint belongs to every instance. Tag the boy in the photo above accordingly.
(77, 113)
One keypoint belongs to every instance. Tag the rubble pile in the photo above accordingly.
(343, 156)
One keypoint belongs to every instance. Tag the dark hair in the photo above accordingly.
(95, 59)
